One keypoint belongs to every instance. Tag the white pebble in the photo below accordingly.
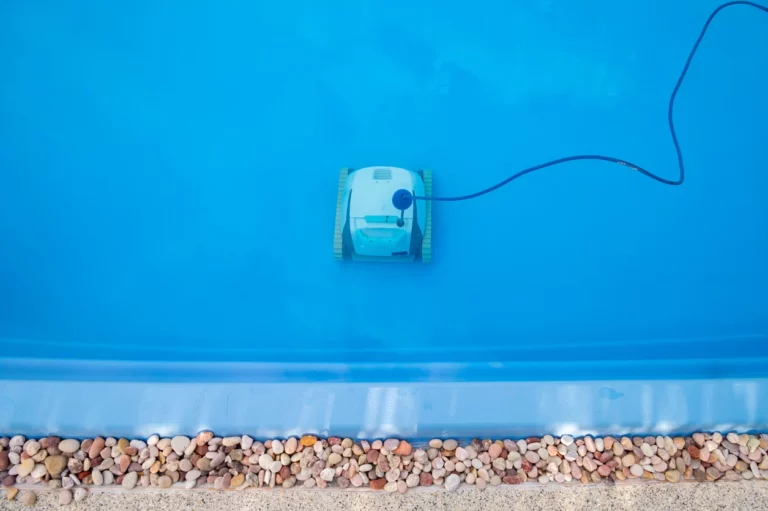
(230, 441)
(599, 444)
(65, 497)
(265, 461)
(452, 482)
(129, 480)
(153, 440)
(246, 442)
(179, 443)
(98, 479)
(39, 471)
(32, 447)
(80, 494)
(277, 447)
(69, 446)
(138, 444)
(647, 449)
(566, 439)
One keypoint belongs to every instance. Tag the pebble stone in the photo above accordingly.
(450, 445)
(129, 480)
(69, 446)
(29, 498)
(452, 482)
(179, 444)
(80, 494)
(65, 497)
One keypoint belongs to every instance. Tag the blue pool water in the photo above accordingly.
(168, 177)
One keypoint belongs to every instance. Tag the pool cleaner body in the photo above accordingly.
(369, 227)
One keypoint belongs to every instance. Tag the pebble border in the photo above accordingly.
(240, 462)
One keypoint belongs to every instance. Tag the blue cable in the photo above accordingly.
(402, 199)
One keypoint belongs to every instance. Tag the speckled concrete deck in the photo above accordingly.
(747, 495)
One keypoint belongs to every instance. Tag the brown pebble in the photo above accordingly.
(713, 474)
(29, 498)
(515, 479)
(285, 472)
(11, 493)
(201, 449)
(123, 444)
(203, 438)
(164, 482)
(237, 481)
(404, 449)
(96, 447)
(377, 484)
(694, 451)
(604, 470)
(308, 440)
(605, 457)
(372, 456)
(131, 451)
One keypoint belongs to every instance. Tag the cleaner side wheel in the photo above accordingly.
(338, 242)
(426, 242)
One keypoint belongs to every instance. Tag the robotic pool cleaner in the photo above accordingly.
(370, 227)
(385, 213)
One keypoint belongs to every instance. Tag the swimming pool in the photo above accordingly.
(167, 206)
